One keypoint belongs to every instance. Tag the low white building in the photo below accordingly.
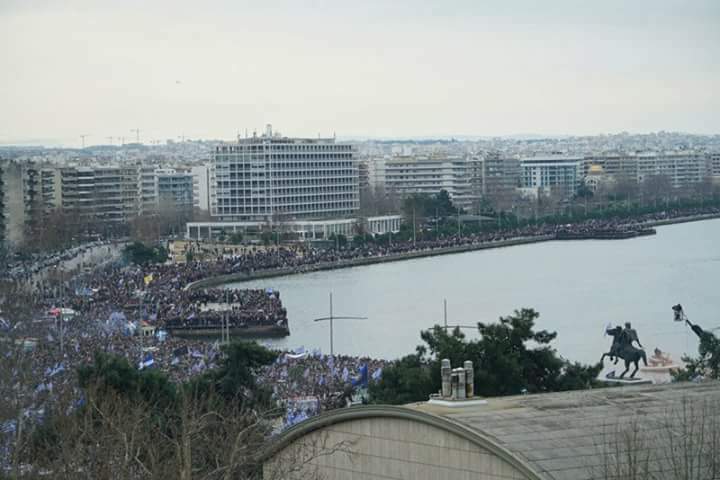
(306, 230)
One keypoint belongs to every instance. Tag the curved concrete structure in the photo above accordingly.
(391, 442)
(574, 435)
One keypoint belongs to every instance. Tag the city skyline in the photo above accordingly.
(411, 69)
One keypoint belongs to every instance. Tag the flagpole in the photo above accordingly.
(331, 325)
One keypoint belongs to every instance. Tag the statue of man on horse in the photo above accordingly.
(622, 347)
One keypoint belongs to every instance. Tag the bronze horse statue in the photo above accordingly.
(622, 348)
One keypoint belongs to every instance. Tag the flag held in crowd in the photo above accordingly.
(147, 361)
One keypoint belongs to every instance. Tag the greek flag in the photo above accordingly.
(147, 361)
(377, 374)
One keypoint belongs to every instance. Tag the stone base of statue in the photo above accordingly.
(455, 403)
(611, 375)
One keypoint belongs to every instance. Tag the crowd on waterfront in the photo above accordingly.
(236, 308)
(24, 268)
(112, 303)
(303, 257)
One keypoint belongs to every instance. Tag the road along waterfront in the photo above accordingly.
(577, 286)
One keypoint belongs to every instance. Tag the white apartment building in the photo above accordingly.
(460, 176)
(681, 168)
(174, 191)
(556, 173)
(270, 177)
(201, 187)
(147, 189)
(105, 193)
(714, 163)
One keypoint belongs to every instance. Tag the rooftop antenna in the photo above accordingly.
(137, 134)
(122, 140)
(82, 137)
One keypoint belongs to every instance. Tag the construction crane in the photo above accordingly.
(109, 139)
(137, 134)
(82, 137)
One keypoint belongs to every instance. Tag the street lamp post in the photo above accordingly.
(445, 324)
(331, 318)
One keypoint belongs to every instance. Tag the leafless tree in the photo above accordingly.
(681, 443)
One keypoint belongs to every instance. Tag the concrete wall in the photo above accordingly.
(387, 448)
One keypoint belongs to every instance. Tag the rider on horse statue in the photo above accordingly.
(622, 347)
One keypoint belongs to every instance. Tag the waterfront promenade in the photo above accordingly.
(418, 253)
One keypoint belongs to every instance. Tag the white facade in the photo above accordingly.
(556, 173)
(460, 176)
(201, 187)
(105, 193)
(306, 230)
(266, 177)
(376, 171)
(681, 168)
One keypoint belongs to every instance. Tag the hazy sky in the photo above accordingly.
(388, 68)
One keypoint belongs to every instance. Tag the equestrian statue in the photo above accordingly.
(622, 347)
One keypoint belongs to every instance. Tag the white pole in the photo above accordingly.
(332, 351)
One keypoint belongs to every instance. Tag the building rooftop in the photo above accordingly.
(562, 435)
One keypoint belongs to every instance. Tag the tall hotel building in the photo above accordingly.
(305, 186)
(269, 177)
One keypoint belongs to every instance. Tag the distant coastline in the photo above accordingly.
(356, 262)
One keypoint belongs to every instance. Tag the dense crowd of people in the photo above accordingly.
(236, 308)
(24, 268)
(111, 309)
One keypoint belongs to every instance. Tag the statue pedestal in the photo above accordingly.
(447, 402)
(626, 381)
(615, 380)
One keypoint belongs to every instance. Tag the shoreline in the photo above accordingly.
(261, 331)
(362, 261)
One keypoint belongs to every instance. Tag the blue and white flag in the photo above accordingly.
(52, 371)
(362, 379)
(377, 374)
(299, 353)
(147, 361)
(345, 374)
